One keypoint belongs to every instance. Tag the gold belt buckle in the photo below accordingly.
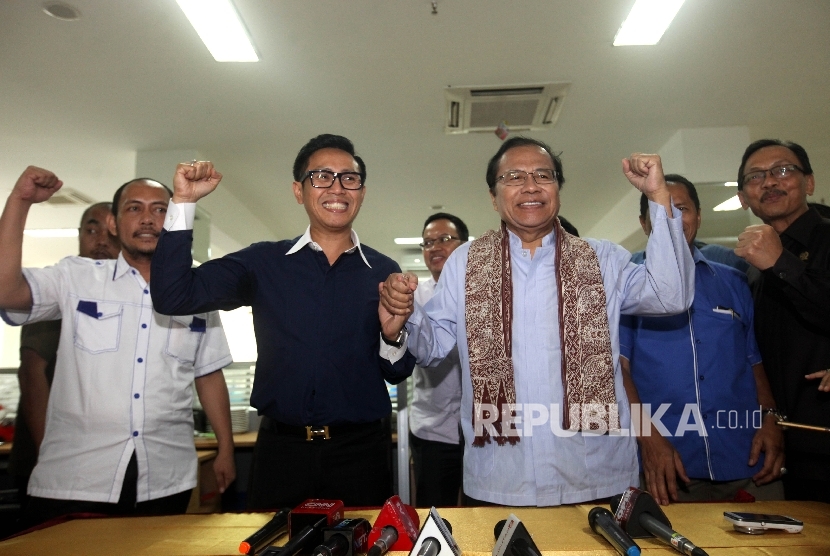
(311, 432)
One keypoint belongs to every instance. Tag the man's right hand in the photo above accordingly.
(397, 299)
(194, 180)
(36, 185)
(662, 467)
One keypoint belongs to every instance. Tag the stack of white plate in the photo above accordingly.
(239, 420)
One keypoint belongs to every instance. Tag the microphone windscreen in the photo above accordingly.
(499, 526)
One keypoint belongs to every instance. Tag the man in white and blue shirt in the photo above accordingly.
(119, 424)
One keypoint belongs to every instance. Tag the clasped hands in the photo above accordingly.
(397, 301)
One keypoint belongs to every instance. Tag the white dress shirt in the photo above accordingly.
(436, 401)
(547, 468)
(122, 382)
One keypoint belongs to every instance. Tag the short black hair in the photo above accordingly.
(325, 141)
(463, 232)
(797, 150)
(103, 204)
(519, 141)
(673, 178)
(570, 228)
(117, 197)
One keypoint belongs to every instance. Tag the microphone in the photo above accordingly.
(432, 546)
(388, 537)
(305, 525)
(435, 537)
(395, 528)
(267, 534)
(637, 512)
(348, 537)
(304, 538)
(602, 522)
(512, 539)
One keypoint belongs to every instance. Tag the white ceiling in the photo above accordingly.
(82, 98)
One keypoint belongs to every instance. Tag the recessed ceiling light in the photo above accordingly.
(408, 240)
(646, 22)
(731, 184)
(733, 203)
(62, 11)
(221, 29)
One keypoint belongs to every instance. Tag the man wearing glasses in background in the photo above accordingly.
(434, 415)
(319, 381)
(790, 282)
(535, 314)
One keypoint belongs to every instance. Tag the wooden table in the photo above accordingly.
(557, 531)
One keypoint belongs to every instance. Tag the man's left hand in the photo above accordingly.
(225, 469)
(770, 440)
(760, 245)
(645, 172)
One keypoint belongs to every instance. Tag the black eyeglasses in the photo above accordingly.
(323, 179)
(437, 242)
(781, 172)
(518, 177)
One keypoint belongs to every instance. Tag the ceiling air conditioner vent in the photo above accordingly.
(68, 197)
(521, 107)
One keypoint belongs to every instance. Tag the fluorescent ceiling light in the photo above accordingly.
(733, 203)
(221, 29)
(56, 232)
(731, 184)
(646, 22)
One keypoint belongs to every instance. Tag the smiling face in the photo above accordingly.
(330, 210)
(529, 210)
(437, 255)
(690, 215)
(777, 201)
(141, 211)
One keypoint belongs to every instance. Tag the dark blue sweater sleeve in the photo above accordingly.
(178, 289)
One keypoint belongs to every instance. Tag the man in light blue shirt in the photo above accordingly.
(544, 425)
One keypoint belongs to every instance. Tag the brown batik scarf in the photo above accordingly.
(587, 367)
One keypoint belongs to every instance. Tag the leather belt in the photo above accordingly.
(311, 432)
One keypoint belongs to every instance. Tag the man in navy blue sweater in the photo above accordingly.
(322, 355)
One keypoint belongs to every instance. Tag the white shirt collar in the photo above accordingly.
(305, 239)
(122, 267)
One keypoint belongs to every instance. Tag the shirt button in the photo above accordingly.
(100, 315)
(135, 433)
(782, 275)
(136, 395)
(140, 360)
(143, 326)
(705, 416)
(701, 377)
(146, 291)
(133, 271)
(697, 341)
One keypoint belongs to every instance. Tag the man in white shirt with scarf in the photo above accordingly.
(535, 314)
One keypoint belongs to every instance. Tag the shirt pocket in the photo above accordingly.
(98, 325)
(184, 336)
